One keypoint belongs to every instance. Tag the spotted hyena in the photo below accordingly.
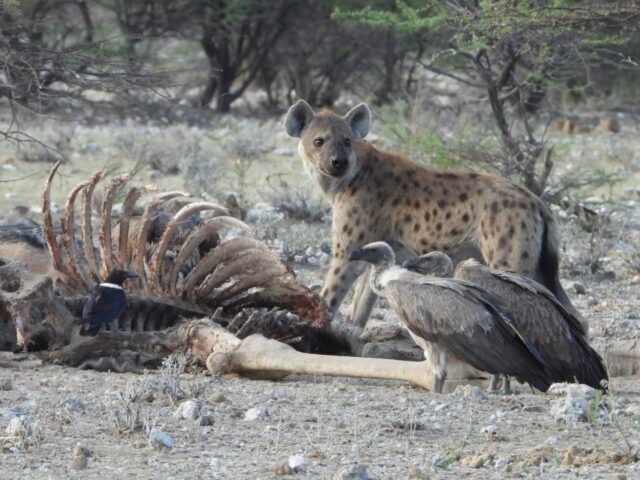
(378, 195)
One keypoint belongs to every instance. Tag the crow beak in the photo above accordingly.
(356, 255)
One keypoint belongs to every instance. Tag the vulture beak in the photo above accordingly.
(410, 263)
(359, 254)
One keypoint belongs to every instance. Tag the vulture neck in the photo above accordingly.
(383, 274)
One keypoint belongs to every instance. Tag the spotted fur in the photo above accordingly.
(378, 195)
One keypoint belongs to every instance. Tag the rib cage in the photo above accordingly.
(238, 272)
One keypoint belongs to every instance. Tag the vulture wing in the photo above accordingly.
(556, 334)
(465, 320)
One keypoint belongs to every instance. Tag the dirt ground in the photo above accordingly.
(306, 427)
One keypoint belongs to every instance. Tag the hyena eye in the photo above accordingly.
(318, 142)
(347, 142)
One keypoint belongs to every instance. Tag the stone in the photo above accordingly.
(19, 426)
(6, 384)
(470, 391)
(398, 349)
(188, 410)
(217, 397)
(578, 288)
(256, 413)
(160, 440)
(378, 331)
(73, 404)
(476, 461)
(490, 432)
(352, 472)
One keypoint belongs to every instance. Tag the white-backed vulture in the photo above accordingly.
(557, 335)
(447, 316)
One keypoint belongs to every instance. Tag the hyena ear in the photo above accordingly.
(359, 119)
(298, 118)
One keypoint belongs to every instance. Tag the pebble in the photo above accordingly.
(73, 404)
(6, 384)
(574, 406)
(476, 461)
(80, 457)
(490, 432)
(160, 440)
(470, 391)
(256, 413)
(156, 175)
(578, 288)
(296, 463)
(188, 410)
(206, 420)
(592, 301)
(19, 426)
(352, 472)
(217, 397)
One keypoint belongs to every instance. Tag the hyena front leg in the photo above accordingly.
(339, 280)
(363, 301)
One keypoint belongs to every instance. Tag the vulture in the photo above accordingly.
(557, 335)
(105, 302)
(453, 317)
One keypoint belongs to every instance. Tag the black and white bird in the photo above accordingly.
(452, 317)
(105, 303)
(558, 336)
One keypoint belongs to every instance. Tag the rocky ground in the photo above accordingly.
(58, 422)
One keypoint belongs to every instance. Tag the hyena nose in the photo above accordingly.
(339, 162)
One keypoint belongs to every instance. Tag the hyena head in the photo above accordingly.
(327, 140)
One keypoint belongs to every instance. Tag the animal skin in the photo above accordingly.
(382, 196)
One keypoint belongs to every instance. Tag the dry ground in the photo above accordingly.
(392, 429)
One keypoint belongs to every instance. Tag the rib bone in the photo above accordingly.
(207, 229)
(184, 213)
(143, 232)
(47, 225)
(105, 228)
(68, 237)
(85, 224)
(123, 257)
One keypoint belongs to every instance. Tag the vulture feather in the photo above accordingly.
(556, 333)
(448, 316)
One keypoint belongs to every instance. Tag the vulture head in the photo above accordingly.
(379, 254)
(433, 264)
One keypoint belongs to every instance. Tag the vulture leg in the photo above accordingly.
(493, 386)
(438, 382)
(506, 389)
(363, 301)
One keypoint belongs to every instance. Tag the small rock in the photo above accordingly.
(79, 463)
(73, 404)
(534, 408)
(574, 406)
(567, 459)
(476, 461)
(352, 472)
(19, 426)
(156, 175)
(188, 410)
(296, 463)
(501, 463)
(205, 420)
(592, 302)
(256, 413)
(551, 441)
(397, 348)
(377, 331)
(160, 440)
(217, 397)
(578, 288)
(6, 384)
(80, 457)
(490, 432)
(470, 391)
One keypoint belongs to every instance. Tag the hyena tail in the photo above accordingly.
(549, 267)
